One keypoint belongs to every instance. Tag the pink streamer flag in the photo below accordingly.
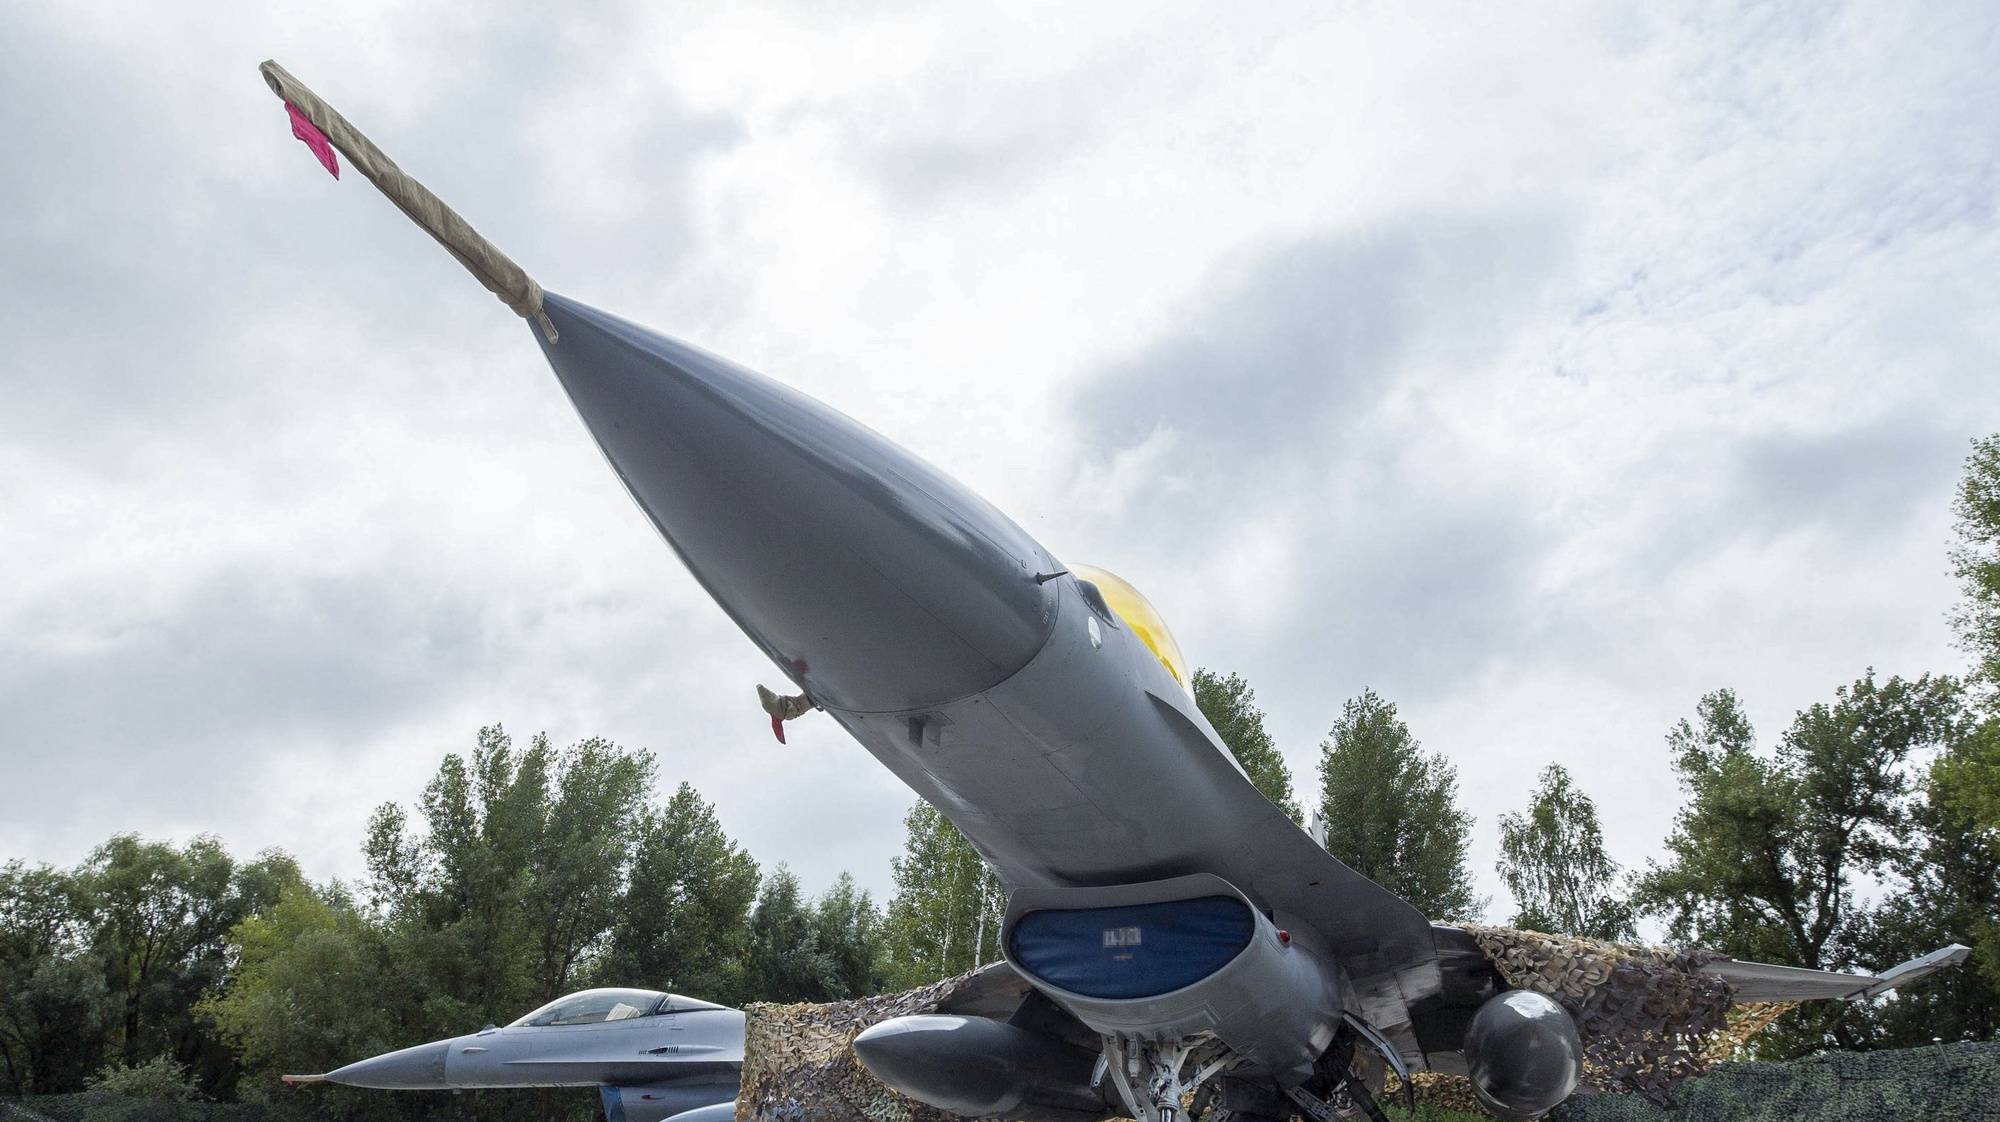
(314, 139)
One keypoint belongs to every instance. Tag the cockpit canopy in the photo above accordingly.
(595, 1007)
(1138, 614)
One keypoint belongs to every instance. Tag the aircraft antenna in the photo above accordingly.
(323, 125)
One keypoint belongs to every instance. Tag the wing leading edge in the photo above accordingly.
(1760, 981)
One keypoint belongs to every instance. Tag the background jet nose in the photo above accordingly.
(418, 1068)
(878, 581)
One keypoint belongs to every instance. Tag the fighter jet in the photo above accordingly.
(651, 1055)
(1175, 931)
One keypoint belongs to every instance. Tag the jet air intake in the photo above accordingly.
(681, 1103)
(1174, 958)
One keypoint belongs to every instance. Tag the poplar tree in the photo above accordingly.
(506, 894)
(823, 950)
(1975, 560)
(683, 917)
(945, 917)
(1967, 778)
(1392, 810)
(1552, 859)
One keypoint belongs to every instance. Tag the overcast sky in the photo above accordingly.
(1541, 371)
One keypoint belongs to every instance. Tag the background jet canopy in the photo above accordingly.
(591, 1007)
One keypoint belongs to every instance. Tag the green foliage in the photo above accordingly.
(848, 929)
(1392, 810)
(159, 919)
(55, 1014)
(313, 987)
(945, 916)
(1764, 855)
(682, 922)
(1552, 859)
(825, 951)
(521, 874)
(103, 1107)
(158, 1078)
(508, 895)
(1231, 706)
(1975, 560)
(1950, 893)
(1967, 777)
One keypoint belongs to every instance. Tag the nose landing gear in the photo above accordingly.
(1157, 1078)
(1196, 1079)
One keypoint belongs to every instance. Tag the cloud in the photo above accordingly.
(1291, 351)
(1863, 482)
(1542, 376)
(1293, 397)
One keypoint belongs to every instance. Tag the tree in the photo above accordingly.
(1975, 560)
(314, 987)
(161, 1079)
(1950, 893)
(945, 916)
(825, 950)
(1391, 810)
(783, 962)
(578, 855)
(1230, 705)
(847, 928)
(1968, 777)
(509, 892)
(683, 918)
(55, 1015)
(159, 918)
(1552, 859)
(1763, 857)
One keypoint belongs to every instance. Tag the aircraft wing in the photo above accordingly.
(1386, 946)
(1759, 981)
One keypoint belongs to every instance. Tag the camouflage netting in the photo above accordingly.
(1647, 1015)
(1649, 1018)
(1454, 1092)
(799, 1064)
(1952, 1081)
(1745, 1022)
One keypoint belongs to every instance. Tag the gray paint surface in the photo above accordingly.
(911, 610)
(690, 1056)
(962, 655)
(872, 579)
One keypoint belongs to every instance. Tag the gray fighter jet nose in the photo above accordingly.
(418, 1068)
(875, 579)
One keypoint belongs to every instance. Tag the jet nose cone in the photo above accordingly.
(876, 580)
(419, 1068)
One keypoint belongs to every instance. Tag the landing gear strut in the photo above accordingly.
(1154, 1077)
(1170, 1081)
(1347, 1076)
